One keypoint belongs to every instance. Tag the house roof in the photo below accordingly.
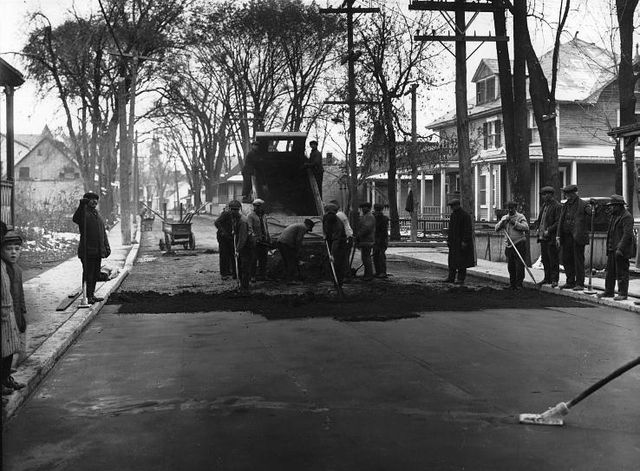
(47, 136)
(9, 75)
(584, 69)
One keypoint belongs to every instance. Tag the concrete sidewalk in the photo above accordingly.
(497, 271)
(50, 332)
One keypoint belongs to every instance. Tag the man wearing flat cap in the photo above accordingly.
(572, 236)
(547, 225)
(460, 243)
(94, 243)
(258, 222)
(365, 239)
(315, 164)
(621, 246)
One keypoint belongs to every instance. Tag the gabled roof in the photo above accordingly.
(9, 75)
(47, 136)
(583, 70)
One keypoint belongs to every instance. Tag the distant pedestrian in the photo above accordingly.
(460, 243)
(547, 225)
(290, 247)
(94, 243)
(516, 226)
(365, 238)
(243, 244)
(381, 242)
(248, 170)
(9, 329)
(258, 222)
(315, 164)
(335, 237)
(224, 236)
(348, 230)
(621, 246)
(10, 253)
(572, 237)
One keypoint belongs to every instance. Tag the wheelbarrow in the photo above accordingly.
(177, 233)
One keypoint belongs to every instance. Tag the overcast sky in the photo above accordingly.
(32, 112)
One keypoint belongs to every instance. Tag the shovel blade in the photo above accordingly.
(539, 419)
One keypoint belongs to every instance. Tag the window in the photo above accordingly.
(482, 190)
(486, 90)
(492, 133)
(533, 136)
(23, 173)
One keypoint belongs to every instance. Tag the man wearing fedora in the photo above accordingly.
(547, 224)
(621, 247)
(94, 243)
(572, 237)
(460, 243)
(258, 222)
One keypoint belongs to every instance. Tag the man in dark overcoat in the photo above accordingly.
(381, 242)
(248, 170)
(572, 237)
(225, 244)
(243, 244)
(460, 243)
(315, 164)
(620, 248)
(94, 243)
(547, 224)
(258, 222)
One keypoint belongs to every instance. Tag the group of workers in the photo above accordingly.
(563, 233)
(244, 243)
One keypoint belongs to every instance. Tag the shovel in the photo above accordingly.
(333, 270)
(553, 416)
(235, 257)
(521, 259)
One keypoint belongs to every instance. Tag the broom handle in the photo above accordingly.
(587, 392)
(519, 256)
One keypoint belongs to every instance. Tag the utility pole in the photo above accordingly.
(136, 174)
(125, 168)
(460, 27)
(348, 8)
(412, 161)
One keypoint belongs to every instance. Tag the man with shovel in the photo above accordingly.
(515, 226)
(335, 239)
(620, 248)
(243, 244)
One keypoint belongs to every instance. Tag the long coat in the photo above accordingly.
(460, 230)
(95, 237)
(552, 217)
(579, 225)
(620, 234)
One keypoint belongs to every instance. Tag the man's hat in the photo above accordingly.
(313, 142)
(378, 207)
(546, 189)
(366, 204)
(454, 202)
(90, 195)
(11, 237)
(616, 199)
(309, 222)
(570, 188)
(235, 204)
(258, 202)
(331, 208)
(511, 204)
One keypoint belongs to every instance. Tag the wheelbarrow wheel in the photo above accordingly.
(192, 242)
(161, 244)
(167, 242)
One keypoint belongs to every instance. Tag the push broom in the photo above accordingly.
(553, 416)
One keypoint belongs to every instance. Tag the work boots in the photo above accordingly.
(623, 289)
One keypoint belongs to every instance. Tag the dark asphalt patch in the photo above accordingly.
(373, 302)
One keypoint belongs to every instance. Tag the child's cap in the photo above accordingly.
(11, 237)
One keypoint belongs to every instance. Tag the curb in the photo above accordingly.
(628, 305)
(42, 360)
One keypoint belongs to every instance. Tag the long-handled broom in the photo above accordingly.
(521, 259)
(553, 416)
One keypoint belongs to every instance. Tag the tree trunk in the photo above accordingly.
(626, 83)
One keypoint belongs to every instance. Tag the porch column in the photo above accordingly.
(399, 194)
(373, 192)
(422, 190)
(536, 189)
(574, 172)
(624, 176)
(476, 191)
(490, 197)
(498, 186)
(8, 90)
(443, 191)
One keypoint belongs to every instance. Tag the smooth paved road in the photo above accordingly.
(234, 391)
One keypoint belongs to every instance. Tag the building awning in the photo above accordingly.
(10, 76)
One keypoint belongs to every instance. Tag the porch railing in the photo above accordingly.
(6, 214)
